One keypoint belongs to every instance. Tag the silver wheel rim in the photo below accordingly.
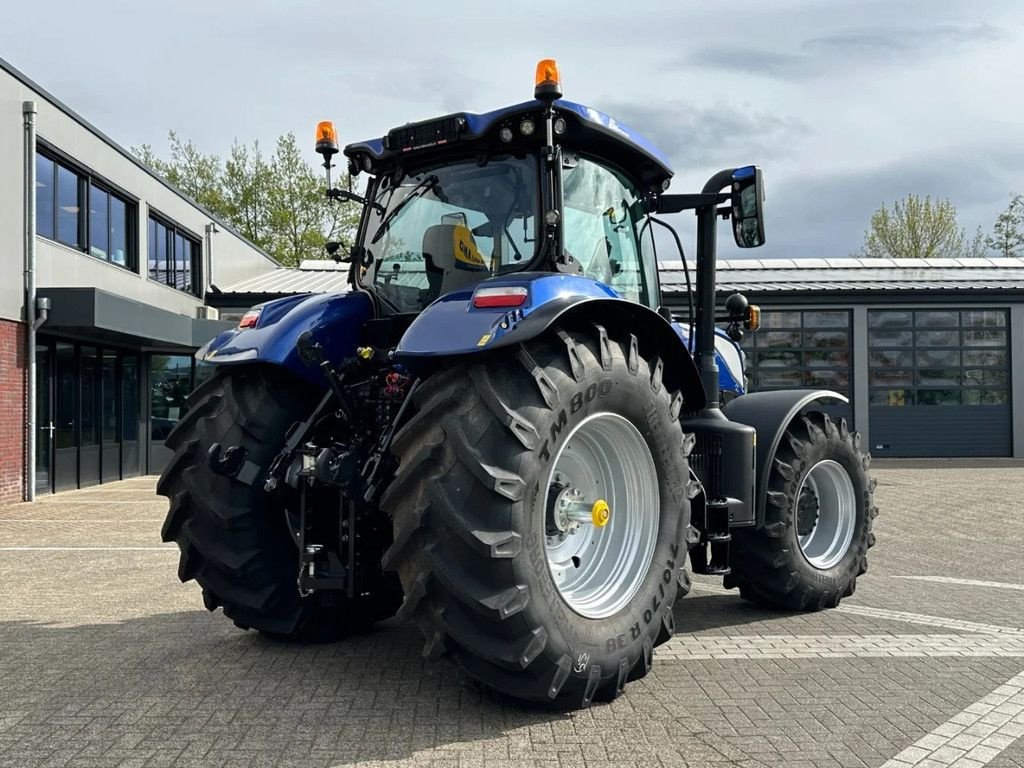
(598, 570)
(826, 514)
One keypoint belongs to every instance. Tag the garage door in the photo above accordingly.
(939, 383)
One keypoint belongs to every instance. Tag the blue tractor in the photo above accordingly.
(499, 432)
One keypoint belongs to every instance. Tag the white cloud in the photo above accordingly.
(842, 102)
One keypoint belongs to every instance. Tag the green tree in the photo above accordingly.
(297, 206)
(277, 202)
(1007, 238)
(916, 227)
(247, 180)
(978, 246)
(198, 175)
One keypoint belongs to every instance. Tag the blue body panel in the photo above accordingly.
(478, 125)
(729, 379)
(334, 319)
(451, 325)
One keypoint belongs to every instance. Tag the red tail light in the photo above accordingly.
(499, 296)
(249, 319)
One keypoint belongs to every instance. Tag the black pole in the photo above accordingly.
(707, 219)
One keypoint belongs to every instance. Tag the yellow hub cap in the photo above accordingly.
(600, 513)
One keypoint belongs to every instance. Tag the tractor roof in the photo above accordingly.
(588, 131)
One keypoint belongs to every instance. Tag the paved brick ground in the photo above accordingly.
(106, 659)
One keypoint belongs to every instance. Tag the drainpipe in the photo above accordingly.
(207, 264)
(28, 110)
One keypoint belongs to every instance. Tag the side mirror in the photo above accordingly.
(335, 251)
(748, 207)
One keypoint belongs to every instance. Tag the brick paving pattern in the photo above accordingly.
(107, 660)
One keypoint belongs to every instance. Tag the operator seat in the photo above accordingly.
(451, 258)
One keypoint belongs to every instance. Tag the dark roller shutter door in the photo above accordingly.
(939, 383)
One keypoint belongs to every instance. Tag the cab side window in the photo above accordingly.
(601, 223)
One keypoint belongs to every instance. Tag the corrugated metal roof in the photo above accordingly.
(311, 276)
(856, 274)
(754, 275)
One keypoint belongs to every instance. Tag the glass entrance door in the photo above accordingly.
(89, 414)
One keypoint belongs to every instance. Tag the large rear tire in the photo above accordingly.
(233, 535)
(564, 615)
(818, 516)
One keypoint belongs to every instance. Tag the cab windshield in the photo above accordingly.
(447, 227)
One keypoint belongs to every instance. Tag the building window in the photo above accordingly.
(170, 383)
(174, 255)
(938, 357)
(69, 207)
(800, 349)
(79, 210)
(45, 197)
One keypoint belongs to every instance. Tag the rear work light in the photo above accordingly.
(249, 319)
(499, 296)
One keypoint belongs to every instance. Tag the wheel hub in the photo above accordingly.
(806, 512)
(568, 509)
(602, 515)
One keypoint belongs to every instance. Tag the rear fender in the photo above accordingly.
(451, 326)
(771, 413)
(335, 320)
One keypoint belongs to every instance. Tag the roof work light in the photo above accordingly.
(547, 85)
(326, 139)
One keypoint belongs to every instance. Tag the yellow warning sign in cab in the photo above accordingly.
(467, 255)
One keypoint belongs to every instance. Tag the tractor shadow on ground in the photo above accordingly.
(700, 611)
(192, 686)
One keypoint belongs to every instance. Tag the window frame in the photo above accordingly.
(175, 230)
(754, 343)
(86, 179)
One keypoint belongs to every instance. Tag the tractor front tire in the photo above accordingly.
(233, 536)
(528, 609)
(818, 516)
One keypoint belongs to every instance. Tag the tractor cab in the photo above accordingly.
(547, 185)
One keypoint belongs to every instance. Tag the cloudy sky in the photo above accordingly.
(845, 105)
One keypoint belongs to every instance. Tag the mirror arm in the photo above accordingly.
(677, 203)
(343, 194)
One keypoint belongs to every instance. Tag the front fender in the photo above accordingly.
(770, 413)
(335, 321)
(451, 326)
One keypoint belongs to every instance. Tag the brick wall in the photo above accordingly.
(12, 411)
